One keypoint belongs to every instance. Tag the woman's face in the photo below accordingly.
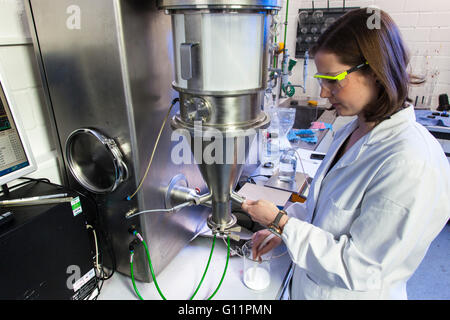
(359, 89)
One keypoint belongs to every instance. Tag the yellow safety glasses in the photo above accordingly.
(339, 81)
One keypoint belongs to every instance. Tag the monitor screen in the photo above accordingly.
(16, 159)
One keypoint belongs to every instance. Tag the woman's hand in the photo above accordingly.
(265, 213)
(262, 211)
(258, 238)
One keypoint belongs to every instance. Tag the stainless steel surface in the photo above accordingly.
(294, 186)
(238, 199)
(192, 65)
(197, 4)
(173, 197)
(240, 111)
(221, 173)
(187, 60)
(114, 74)
(193, 31)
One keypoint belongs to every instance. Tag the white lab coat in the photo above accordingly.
(374, 215)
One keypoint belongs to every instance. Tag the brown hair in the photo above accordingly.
(354, 43)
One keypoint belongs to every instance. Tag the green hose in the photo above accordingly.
(286, 23)
(151, 269)
(132, 278)
(224, 271)
(200, 283)
(206, 269)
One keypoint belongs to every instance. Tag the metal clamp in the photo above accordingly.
(120, 168)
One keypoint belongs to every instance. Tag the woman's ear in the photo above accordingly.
(375, 78)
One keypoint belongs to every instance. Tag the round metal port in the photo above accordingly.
(95, 161)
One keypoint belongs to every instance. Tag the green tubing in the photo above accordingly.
(154, 277)
(151, 269)
(286, 23)
(132, 279)
(289, 90)
(206, 269)
(224, 271)
(275, 60)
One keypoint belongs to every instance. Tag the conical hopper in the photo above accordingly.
(221, 164)
(221, 153)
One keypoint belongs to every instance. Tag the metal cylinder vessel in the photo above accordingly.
(221, 51)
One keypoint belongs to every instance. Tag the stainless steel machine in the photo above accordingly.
(108, 70)
(221, 51)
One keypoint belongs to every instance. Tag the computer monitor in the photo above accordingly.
(16, 159)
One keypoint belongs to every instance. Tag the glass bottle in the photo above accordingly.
(288, 165)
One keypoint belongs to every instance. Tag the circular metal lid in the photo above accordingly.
(95, 161)
(232, 4)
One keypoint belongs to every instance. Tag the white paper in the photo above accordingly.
(310, 166)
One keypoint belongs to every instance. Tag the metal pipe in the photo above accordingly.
(130, 214)
(237, 198)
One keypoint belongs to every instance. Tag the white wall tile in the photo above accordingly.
(443, 48)
(19, 65)
(417, 6)
(440, 34)
(46, 167)
(442, 88)
(405, 19)
(415, 34)
(429, 48)
(444, 77)
(441, 62)
(390, 6)
(39, 140)
(426, 6)
(13, 19)
(22, 104)
(434, 19)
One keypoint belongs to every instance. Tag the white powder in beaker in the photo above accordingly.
(257, 278)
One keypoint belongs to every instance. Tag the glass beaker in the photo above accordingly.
(286, 118)
(256, 275)
(288, 165)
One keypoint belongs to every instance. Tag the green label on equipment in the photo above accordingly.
(76, 206)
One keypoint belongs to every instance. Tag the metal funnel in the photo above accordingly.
(222, 176)
(221, 151)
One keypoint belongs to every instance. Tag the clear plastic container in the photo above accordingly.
(286, 118)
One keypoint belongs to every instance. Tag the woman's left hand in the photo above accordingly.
(261, 211)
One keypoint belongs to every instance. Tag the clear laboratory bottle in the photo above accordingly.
(288, 165)
(273, 137)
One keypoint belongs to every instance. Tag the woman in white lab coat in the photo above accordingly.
(381, 195)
